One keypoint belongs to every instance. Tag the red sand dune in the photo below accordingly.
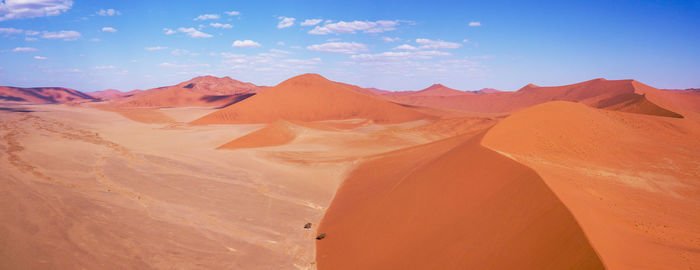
(452, 204)
(598, 93)
(42, 95)
(205, 91)
(631, 180)
(311, 97)
(111, 94)
(277, 133)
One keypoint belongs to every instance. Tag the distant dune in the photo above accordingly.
(112, 94)
(598, 93)
(311, 97)
(42, 95)
(204, 91)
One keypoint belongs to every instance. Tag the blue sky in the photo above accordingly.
(396, 45)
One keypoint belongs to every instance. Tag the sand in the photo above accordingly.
(206, 175)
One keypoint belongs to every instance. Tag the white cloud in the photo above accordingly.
(95, 40)
(339, 47)
(193, 32)
(221, 25)
(465, 40)
(156, 48)
(394, 56)
(20, 9)
(109, 29)
(40, 57)
(10, 31)
(104, 67)
(405, 47)
(390, 39)
(25, 49)
(280, 43)
(31, 33)
(245, 44)
(285, 22)
(474, 24)
(207, 17)
(437, 44)
(169, 31)
(108, 12)
(65, 35)
(232, 13)
(311, 22)
(343, 27)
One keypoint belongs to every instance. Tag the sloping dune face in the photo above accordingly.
(631, 180)
(311, 97)
(278, 133)
(42, 95)
(452, 204)
(599, 93)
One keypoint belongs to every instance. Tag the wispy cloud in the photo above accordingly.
(393, 56)
(474, 24)
(109, 29)
(221, 25)
(285, 22)
(10, 31)
(232, 13)
(156, 48)
(10, 9)
(311, 22)
(64, 35)
(207, 17)
(169, 31)
(40, 58)
(25, 49)
(437, 44)
(339, 47)
(390, 39)
(245, 44)
(108, 12)
(405, 47)
(352, 27)
(104, 67)
(193, 32)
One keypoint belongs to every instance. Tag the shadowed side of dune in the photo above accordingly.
(278, 133)
(453, 204)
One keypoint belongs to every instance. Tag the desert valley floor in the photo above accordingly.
(216, 174)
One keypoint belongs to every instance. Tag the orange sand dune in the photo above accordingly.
(205, 91)
(277, 133)
(42, 95)
(452, 204)
(631, 180)
(598, 93)
(311, 97)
